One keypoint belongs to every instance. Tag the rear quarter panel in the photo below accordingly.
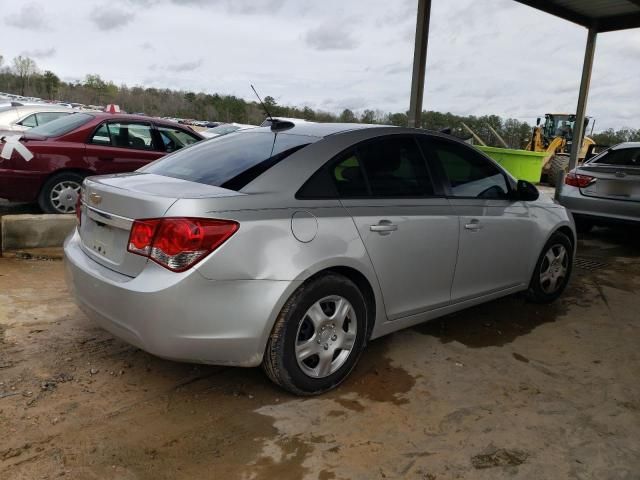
(50, 156)
(265, 248)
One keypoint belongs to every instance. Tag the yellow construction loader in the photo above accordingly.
(555, 138)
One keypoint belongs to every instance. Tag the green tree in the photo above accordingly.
(308, 113)
(368, 116)
(398, 119)
(51, 83)
(96, 86)
(347, 116)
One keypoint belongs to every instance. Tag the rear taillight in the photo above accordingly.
(178, 243)
(578, 180)
(79, 208)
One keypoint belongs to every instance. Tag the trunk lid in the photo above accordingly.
(613, 182)
(112, 202)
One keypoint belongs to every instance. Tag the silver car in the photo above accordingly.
(292, 246)
(605, 189)
(15, 119)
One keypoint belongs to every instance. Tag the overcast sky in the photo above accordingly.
(485, 57)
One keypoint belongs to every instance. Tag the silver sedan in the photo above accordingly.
(292, 246)
(606, 189)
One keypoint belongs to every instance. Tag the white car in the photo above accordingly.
(224, 129)
(15, 119)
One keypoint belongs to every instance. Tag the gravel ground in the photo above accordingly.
(504, 390)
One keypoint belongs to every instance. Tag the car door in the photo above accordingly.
(496, 232)
(121, 146)
(616, 175)
(407, 228)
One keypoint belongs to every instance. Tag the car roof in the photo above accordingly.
(620, 146)
(320, 130)
(131, 117)
(36, 107)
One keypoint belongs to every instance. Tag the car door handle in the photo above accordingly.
(473, 225)
(383, 226)
(106, 159)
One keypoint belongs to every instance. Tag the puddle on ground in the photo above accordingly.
(501, 321)
(493, 324)
(375, 378)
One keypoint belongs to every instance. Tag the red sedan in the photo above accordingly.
(48, 163)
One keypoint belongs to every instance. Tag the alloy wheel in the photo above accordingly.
(554, 268)
(326, 336)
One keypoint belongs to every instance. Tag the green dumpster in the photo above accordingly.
(522, 164)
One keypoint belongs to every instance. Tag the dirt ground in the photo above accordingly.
(504, 390)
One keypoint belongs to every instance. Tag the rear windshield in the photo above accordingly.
(61, 126)
(230, 161)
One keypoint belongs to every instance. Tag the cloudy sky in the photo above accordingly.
(490, 56)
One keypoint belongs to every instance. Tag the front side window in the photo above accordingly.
(174, 139)
(390, 167)
(468, 173)
(124, 135)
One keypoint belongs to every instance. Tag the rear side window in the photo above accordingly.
(230, 161)
(468, 173)
(394, 167)
(623, 157)
(388, 167)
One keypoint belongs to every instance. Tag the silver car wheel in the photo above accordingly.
(326, 336)
(553, 268)
(64, 196)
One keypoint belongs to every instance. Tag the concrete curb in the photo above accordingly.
(20, 232)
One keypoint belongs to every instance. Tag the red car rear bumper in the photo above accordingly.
(20, 185)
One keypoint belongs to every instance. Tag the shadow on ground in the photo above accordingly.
(500, 322)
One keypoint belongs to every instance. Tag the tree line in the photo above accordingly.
(22, 76)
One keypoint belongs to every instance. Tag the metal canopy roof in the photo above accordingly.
(598, 15)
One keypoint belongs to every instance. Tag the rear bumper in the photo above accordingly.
(597, 208)
(179, 316)
(20, 186)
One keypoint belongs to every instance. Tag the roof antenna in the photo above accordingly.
(262, 103)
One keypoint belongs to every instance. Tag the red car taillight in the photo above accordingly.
(178, 243)
(578, 180)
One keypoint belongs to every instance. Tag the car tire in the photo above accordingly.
(303, 354)
(558, 163)
(59, 192)
(553, 270)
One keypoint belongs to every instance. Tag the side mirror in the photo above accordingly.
(537, 121)
(527, 191)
